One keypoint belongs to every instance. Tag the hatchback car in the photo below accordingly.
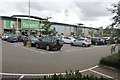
(5, 36)
(31, 39)
(68, 39)
(50, 43)
(12, 38)
(84, 42)
(97, 41)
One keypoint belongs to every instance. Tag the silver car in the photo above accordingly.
(84, 42)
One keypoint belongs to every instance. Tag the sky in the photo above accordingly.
(91, 13)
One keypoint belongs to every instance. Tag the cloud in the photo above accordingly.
(92, 10)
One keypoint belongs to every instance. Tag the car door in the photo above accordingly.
(43, 42)
(81, 40)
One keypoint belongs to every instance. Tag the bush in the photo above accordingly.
(72, 76)
(111, 60)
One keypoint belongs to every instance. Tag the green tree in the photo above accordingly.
(46, 28)
(115, 9)
(14, 30)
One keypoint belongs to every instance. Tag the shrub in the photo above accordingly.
(111, 60)
(72, 76)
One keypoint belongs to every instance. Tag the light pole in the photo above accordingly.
(29, 17)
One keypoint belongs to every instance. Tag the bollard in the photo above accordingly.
(28, 44)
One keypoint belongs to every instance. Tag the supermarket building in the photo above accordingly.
(23, 23)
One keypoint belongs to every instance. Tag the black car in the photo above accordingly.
(12, 38)
(97, 41)
(50, 43)
(30, 39)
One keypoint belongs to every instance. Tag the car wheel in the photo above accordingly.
(72, 44)
(83, 45)
(37, 46)
(47, 47)
(59, 48)
(24, 44)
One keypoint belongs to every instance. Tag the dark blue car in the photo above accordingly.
(12, 38)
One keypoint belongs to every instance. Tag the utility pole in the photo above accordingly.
(29, 17)
(66, 15)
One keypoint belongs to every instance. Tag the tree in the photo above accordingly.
(46, 28)
(115, 9)
(14, 30)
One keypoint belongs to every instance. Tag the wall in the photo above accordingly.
(66, 30)
(1, 27)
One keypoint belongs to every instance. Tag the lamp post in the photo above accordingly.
(29, 18)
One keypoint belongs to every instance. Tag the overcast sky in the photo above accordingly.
(91, 13)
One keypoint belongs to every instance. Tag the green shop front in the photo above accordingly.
(30, 27)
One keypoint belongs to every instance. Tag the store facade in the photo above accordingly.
(34, 27)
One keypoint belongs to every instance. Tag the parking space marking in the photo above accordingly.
(101, 74)
(21, 77)
(84, 70)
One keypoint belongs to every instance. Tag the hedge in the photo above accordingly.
(111, 60)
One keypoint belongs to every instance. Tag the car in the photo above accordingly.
(21, 38)
(97, 41)
(30, 39)
(50, 43)
(5, 36)
(84, 42)
(68, 39)
(106, 39)
(12, 38)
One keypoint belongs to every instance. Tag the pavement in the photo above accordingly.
(20, 62)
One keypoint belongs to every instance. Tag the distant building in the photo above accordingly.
(22, 23)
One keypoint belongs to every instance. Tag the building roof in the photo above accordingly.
(35, 17)
(79, 25)
(55, 23)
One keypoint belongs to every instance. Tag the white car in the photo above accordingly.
(84, 42)
(68, 39)
(5, 36)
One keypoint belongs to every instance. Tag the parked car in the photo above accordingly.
(97, 41)
(50, 43)
(106, 39)
(68, 39)
(21, 38)
(84, 42)
(12, 38)
(30, 39)
(5, 36)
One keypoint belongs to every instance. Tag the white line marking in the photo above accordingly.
(89, 69)
(101, 74)
(29, 49)
(44, 74)
(21, 77)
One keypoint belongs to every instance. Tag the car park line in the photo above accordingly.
(101, 74)
(81, 71)
(22, 75)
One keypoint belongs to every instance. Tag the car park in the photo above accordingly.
(68, 39)
(30, 39)
(50, 43)
(12, 38)
(84, 42)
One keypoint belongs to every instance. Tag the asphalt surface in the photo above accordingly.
(20, 60)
